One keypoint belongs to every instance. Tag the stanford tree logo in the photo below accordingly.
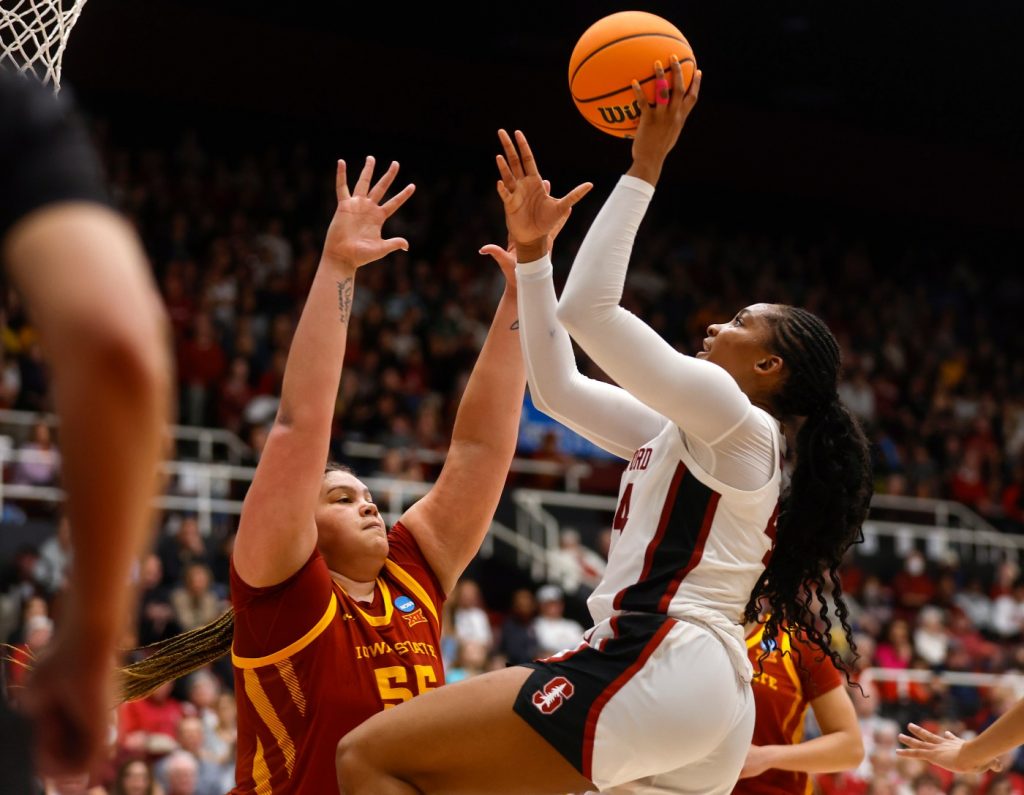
(553, 695)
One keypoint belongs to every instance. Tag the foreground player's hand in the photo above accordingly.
(354, 237)
(69, 698)
(533, 216)
(948, 751)
(661, 123)
(757, 762)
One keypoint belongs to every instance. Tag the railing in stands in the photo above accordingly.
(207, 442)
(905, 677)
(937, 527)
(896, 524)
(205, 490)
(573, 472)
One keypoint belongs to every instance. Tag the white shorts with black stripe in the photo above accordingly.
(645, 705)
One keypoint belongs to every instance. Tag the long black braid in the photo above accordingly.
(826, 502)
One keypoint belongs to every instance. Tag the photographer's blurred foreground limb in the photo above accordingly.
(82, 273)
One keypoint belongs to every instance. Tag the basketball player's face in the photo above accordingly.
(738, 345)
(350, 531)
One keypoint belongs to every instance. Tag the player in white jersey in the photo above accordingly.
(656, 697)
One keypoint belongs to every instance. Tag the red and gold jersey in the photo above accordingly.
(783, 691)
(311, 664)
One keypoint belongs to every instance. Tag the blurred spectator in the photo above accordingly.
(210, 773)
(227, 724)
(518, 636)
(156, 615)
(927, 784)
(470, 660)
(41, 466)
(931, 639)
(181, 549)
(149, 726)
(971, 598)
(182, 771)
(895, 650)
(201, 363)
(195, 603)
(549, 452)
(235, 394)
(912, 586)
(470, 619)
(55, 558)
(554, 631)
(18, 585)
(856, 393)
(204, 695)
(1007, 620)
(134, 778)
(1006, 576)
(576, 567)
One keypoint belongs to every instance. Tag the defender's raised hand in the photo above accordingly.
(532, 215)
(354, 237)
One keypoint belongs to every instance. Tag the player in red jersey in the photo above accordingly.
(335, 618)
(788, 681)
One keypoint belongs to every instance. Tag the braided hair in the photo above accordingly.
(179, 656)
(822, 509)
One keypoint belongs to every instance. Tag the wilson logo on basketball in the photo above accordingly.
(553, 695)
(616, 114)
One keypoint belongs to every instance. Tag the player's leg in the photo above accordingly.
(463, 738)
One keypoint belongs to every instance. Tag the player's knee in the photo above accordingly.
(354, 767)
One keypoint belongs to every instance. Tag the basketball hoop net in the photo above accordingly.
(34, 33)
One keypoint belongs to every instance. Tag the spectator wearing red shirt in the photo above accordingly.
(913, 587)
(201, 365)
(149, 726)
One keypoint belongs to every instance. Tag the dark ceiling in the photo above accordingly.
(903, 103)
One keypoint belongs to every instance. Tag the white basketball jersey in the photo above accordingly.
(682, 539)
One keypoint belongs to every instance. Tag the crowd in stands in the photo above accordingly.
(934, 369)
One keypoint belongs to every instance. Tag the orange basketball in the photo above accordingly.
(612, 53)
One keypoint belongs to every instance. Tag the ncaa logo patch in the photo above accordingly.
(769, 644)
(405, 604)
(412, 619)
(552, 695)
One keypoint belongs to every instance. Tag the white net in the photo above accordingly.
(34, 33)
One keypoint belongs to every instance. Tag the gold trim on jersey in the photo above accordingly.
(389, 609)
(260, 771)
(293, 648)
(291, 681)
(786, 645)
(259, 699)
(413, 585)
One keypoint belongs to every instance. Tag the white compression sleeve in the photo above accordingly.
(606, 415)
(700, 397)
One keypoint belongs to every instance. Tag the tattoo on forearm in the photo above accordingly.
(345, 299)
(514, 326)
